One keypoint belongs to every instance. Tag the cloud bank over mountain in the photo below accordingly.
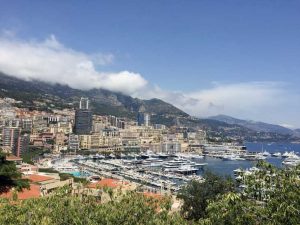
(51, 61)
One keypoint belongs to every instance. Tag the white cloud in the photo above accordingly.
(51, 61)
(273, 102)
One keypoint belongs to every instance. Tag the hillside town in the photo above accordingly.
(39, 142)
(79, 131)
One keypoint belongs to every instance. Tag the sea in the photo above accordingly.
(222, 167)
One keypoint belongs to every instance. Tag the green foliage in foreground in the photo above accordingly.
(10, 177)
(271, 197)
(196, 196)
(61, 208)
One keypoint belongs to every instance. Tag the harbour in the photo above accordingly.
(169, 172)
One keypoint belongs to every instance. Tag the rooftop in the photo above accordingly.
(38, 178)
(107, 182)
(33, 192)
(13, 158)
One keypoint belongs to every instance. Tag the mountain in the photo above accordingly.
(254, 125)
(44, 96)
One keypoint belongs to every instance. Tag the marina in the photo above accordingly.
(169, 172)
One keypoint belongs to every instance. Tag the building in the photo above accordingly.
(27, 125)
(73, 142)
(85, 141)
(60, 139)
(10, 136)
(23, 145)
(84, 103)
(143, 119)
(159, 127)
(171, 147)
(13, 139)
(39, 124)
(83, 118)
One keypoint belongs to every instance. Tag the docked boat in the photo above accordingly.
(292, 160)
(289, 154)
(232, 157)
(260, 156)
(276, 154)
(266, 154)
(186, 169)
(237, 171)
(162, 155)
(195, 156)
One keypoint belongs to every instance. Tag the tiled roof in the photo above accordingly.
(37, 178)
(33, 192)
(13, 158)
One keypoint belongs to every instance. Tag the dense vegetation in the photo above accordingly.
(10, 177)
(61, 208)
(196, 196)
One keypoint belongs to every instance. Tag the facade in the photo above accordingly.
(84, 103)
(171, 147)
(13, 139)
(143, 119)
(83, 121)
(10, 136)
(60, 139)
(73, 142)
(83, 118)
(23, 145)
(27, 124)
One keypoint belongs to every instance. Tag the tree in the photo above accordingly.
(232, 209)
(10, 177)
(196, 195)
(130, 209)
(277, 200)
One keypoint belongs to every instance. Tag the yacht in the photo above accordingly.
(112, 156)
(286, 154)
(289, 154)
(147, 154)
(292, 160)
(260, 156)
(162, 155)
(232, 157)
(276, 154)
(195, 156)
(186, 169)
(237, 171)
(265, 153)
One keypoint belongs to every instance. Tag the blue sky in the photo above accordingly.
(196, 52)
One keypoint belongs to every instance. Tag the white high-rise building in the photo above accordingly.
(84, 103)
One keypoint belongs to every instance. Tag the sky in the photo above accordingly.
(207, 57)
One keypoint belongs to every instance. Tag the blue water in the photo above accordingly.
(226, 167)
(80, 174)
